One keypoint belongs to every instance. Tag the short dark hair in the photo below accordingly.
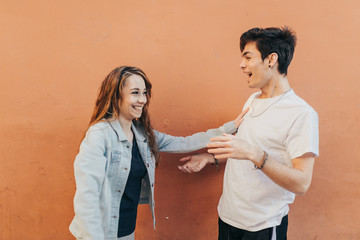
(281, 41)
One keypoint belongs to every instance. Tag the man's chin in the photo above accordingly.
(250, 85)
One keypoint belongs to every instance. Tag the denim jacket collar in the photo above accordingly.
(138, 132)
(115, 125)
(139, 135)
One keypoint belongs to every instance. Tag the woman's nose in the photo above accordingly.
(142, 98)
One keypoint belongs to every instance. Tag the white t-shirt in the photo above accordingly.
(285, 127)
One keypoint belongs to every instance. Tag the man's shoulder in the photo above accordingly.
(298, 108)
(297, 102)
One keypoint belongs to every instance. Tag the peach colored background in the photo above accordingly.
(54, 55)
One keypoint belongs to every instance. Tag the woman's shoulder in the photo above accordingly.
(99, 127)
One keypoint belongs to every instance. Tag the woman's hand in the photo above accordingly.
(195, 162)
(239, 119)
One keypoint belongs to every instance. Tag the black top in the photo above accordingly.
(130, 198)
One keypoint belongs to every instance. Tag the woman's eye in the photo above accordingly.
(145, 93)
(135, 92)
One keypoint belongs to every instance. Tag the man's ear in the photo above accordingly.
(272, 58)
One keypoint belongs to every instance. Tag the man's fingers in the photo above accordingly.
(223, 156)
(218, 151)
(218, 145)
(220, 139)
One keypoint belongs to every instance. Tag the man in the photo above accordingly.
(271, 157)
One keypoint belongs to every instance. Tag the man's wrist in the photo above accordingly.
(263, 161)
(257, 157)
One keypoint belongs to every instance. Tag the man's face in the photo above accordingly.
(254, 67)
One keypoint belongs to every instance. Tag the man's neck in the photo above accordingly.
(275, 87)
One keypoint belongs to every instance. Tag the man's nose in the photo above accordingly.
(242, 65)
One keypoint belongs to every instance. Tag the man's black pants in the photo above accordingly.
(227, 232)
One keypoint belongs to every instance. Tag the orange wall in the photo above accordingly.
(54, 54)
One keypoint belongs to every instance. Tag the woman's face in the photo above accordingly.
(134, 97)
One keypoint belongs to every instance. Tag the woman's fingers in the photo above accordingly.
(185, 168)
(184, 159)
(239, 119)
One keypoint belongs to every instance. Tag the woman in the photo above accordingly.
(115, 167)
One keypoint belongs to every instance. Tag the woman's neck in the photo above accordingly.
(126, 126)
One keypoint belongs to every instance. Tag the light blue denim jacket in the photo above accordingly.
(102, 167)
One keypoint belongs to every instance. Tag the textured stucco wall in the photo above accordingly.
(54, 55)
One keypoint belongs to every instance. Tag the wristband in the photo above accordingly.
(263, 161)
(216, 162)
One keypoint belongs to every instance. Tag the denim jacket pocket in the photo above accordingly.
(114, 163)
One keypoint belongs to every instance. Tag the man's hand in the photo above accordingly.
(229, 146)
(195, 162)
(239, 118)
(296, 179)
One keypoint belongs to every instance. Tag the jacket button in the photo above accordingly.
(128, 146)
(152, 185)
(114, 216)
(118, 191)
(126, 169)
(147, 164)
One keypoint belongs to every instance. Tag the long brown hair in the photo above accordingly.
(110, 96)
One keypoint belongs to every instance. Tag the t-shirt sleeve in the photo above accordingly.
(303, 136)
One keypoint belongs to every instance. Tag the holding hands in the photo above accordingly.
(229, 146)
(223, 147)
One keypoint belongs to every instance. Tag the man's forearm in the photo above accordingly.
(296, 179)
